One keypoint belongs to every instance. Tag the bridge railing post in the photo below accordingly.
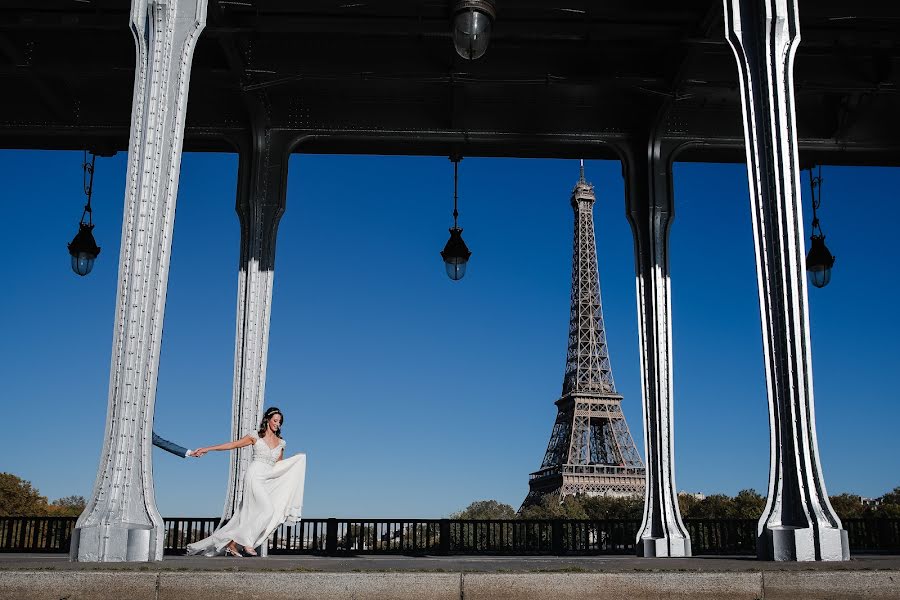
(444, 546)
(331, 537)
(884, 536)
(556, 536)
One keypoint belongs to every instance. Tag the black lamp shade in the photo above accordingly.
(472, 23)
(455, 255)
(819, 262)
(83, 249)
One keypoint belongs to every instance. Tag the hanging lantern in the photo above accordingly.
(455, 254)
(819, 260)
(83, 249)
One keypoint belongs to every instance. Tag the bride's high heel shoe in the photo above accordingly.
(232, 551)
(250, 551)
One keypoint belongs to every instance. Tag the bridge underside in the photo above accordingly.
(558, 80)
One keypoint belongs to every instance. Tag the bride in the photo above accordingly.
(273, 492)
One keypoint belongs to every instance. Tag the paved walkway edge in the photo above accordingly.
(281, 585)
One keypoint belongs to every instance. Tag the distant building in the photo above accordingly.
(694, 495)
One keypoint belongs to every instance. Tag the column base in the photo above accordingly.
(664, 547)
(115, 543)
(802, 544)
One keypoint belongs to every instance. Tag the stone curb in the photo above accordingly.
(285, 585)
(78, 585)
(830, 585)
(614, 586)
(309, 586)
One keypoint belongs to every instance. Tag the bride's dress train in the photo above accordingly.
(273, 494)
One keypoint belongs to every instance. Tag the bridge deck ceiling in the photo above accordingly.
(559, 78)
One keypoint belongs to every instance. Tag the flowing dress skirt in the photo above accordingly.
(273, 494)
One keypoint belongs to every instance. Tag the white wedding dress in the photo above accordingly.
(273, 494)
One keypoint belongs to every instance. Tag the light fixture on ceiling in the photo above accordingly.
(472, 23)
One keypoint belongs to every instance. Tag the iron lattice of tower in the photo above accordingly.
(591, 450)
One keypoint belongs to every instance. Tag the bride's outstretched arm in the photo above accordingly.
(244, 441)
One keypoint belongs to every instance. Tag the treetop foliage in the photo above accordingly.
(747, 504)
(485, 509)
(850, 506)
(19, 498)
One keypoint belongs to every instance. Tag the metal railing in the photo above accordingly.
(722, 536)
(450, 536)
(873, 536)
(181, 531)
(36, 534)
(586, 470)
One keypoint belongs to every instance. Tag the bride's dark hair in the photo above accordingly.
(270, 412)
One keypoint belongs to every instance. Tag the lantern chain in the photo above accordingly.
(88, 184)
(455, 158)
(815, 186)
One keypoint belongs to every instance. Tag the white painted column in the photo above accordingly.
(262, 184)
(798, 523)
(648, 180)
(121, 522)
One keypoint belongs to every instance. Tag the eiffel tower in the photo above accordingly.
(591, 450)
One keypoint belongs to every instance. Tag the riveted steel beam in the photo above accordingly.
(647, 165)
(121, 522)
(262, 183)
(798, 523)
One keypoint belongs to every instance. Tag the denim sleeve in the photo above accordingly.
(169, 446)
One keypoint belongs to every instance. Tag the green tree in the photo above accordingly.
(601, 508)
(748, 504)
(847, 506)
(892, 497)
(715, 506)
(68, 506)
(887, 511)
(18, 497)
(890, 505)
(687, 503)
(551, 508)
(485, 509)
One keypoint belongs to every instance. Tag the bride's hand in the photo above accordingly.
(199, 452)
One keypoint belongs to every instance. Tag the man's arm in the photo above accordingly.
(169, 446)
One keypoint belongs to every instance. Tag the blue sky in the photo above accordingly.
(414, 395)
